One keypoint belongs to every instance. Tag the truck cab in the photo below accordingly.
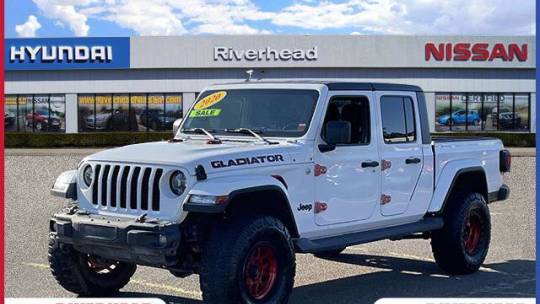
(259, 171)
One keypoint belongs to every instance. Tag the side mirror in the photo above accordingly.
(336, 133)
(176, 125)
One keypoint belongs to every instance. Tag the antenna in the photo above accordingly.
(250, 73)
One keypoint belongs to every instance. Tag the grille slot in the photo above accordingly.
(133, 191)
(114, 184)
(155, 190)
(95, 186)
(104, 184)
(144, 188)
(126, 187)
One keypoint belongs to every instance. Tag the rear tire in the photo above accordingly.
(461, 246)
(329, 253)
(85, 275)
(248, 260)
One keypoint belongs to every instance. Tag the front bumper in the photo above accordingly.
(148, 243)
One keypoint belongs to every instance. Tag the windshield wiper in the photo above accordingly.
(254, 133)
(212, 138)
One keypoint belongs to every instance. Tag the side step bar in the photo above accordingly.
(304, 245)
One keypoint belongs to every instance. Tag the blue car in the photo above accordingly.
(460, 117)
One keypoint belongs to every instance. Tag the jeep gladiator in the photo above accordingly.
(259, 171)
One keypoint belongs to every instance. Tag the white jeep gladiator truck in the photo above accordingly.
(259, 171)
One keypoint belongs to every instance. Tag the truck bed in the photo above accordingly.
(477, 151)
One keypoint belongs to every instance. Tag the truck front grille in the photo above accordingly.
(126, 187)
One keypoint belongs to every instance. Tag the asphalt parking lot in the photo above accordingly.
(362, 274)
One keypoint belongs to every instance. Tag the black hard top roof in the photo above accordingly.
(345, 86)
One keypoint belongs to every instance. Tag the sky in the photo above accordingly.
(70, 18)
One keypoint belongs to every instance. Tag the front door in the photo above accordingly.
(401, 151)
(347, 178)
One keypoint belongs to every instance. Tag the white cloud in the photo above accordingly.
(176, 17)
(29, 28)
(221, 16)
(65, 12)
(489, 17)
(148, 18)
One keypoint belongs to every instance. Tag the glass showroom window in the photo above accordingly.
(482, 112)
(35, 113)
(128, 112)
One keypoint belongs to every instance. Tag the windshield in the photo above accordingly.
(270, 112)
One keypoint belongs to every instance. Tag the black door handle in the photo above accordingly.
(413, 160)
(370, 164)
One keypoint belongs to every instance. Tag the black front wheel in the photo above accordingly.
(461, 246)
(85, 274)
(248, 260)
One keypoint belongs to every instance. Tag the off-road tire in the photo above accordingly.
(69, 271)
(449, 243)
(226, 253)
(329, 253)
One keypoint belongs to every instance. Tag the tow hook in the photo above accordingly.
(142, 218)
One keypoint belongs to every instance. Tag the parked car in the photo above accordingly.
(460, 117)
(9, 118)
(509, 120)
(505, 116)
(238, 191)
(109, 120)
(155, 120)
(43, 120)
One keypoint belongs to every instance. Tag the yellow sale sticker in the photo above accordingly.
(205, 113)
(210, 100)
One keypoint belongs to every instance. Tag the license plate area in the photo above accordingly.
(96, 232)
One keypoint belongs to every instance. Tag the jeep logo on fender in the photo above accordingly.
(247, 161)
(476, 52)
(305, 207)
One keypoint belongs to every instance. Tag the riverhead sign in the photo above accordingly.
(223, 53)
(67, 53)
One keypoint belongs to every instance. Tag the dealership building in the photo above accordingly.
(141, 84)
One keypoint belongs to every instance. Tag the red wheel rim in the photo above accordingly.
(471, 237)
(260, 271)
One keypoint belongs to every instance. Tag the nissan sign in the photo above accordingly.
(67, 53)
(465, 51)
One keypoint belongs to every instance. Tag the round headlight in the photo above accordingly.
(88, 175)
(178, 182)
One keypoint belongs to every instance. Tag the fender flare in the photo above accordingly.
(449, 176)
(235, 186)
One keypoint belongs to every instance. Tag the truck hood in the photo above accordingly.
(213, 157)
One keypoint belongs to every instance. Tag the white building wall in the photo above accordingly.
(194, 80)
(71, 113)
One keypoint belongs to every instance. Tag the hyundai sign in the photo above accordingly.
(67, 53)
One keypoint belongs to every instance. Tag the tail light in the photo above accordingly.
(505, 161)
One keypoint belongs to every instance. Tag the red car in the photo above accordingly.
(42, 120)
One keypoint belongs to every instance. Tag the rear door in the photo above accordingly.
(401, 150)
